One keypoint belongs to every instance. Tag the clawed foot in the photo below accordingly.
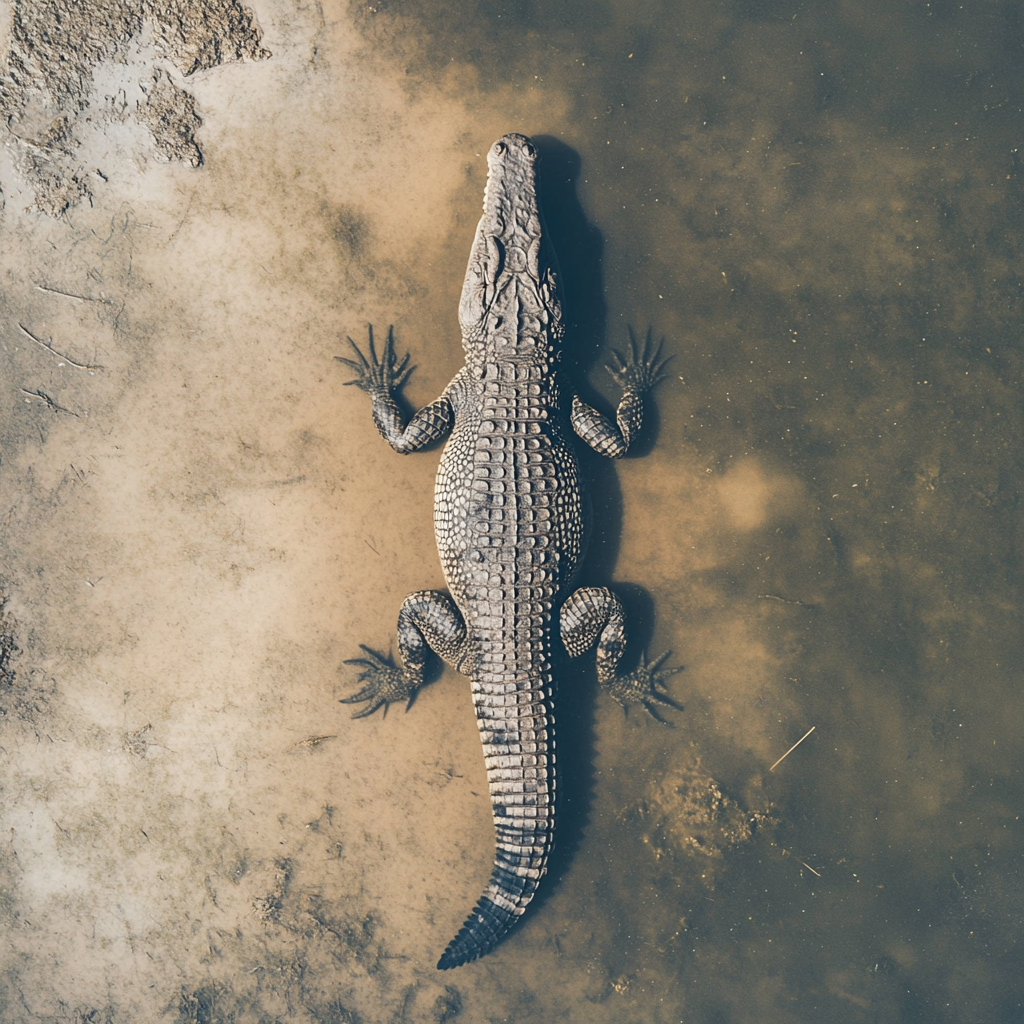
(381, 376)
(641, 686)
(385, 683)
(642, 368)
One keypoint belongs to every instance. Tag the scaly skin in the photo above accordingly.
(509, 527)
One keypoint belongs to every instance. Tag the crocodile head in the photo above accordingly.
(511, 307)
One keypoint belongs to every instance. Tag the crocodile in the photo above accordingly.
(509, 523)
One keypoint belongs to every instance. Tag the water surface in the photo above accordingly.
(818, 207)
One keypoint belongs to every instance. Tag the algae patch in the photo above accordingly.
(687, 816)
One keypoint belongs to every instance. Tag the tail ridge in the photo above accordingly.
(495, 913)
(515, 729)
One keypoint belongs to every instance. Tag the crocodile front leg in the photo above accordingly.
(380, 379)
(428, 620)
(595, 614)
(636, 374)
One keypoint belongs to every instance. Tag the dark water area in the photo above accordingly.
(819, 207)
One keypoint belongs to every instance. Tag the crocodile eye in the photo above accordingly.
(499, 148)
(531, 150)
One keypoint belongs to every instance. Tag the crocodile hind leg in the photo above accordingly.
(595, 614)
(428, 620)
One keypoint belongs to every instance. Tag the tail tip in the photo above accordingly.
(460, 952)
(488, 922)
(479, 935)
(453, 957)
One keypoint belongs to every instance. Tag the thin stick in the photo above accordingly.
(50, 403)
(69, 295)
(809, 868)
(792, 748)
(312, 741)
(53, 351)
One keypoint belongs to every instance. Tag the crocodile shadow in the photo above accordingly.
(579, 245)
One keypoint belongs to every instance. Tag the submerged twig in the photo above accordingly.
(785, 600)
(70, 295)
(312, 741)
(792, 748)
(50, 403)
(59, 355)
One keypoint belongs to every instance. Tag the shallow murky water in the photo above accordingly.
(819, 207)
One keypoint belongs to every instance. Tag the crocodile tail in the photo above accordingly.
(519, 752)
(498, 909)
